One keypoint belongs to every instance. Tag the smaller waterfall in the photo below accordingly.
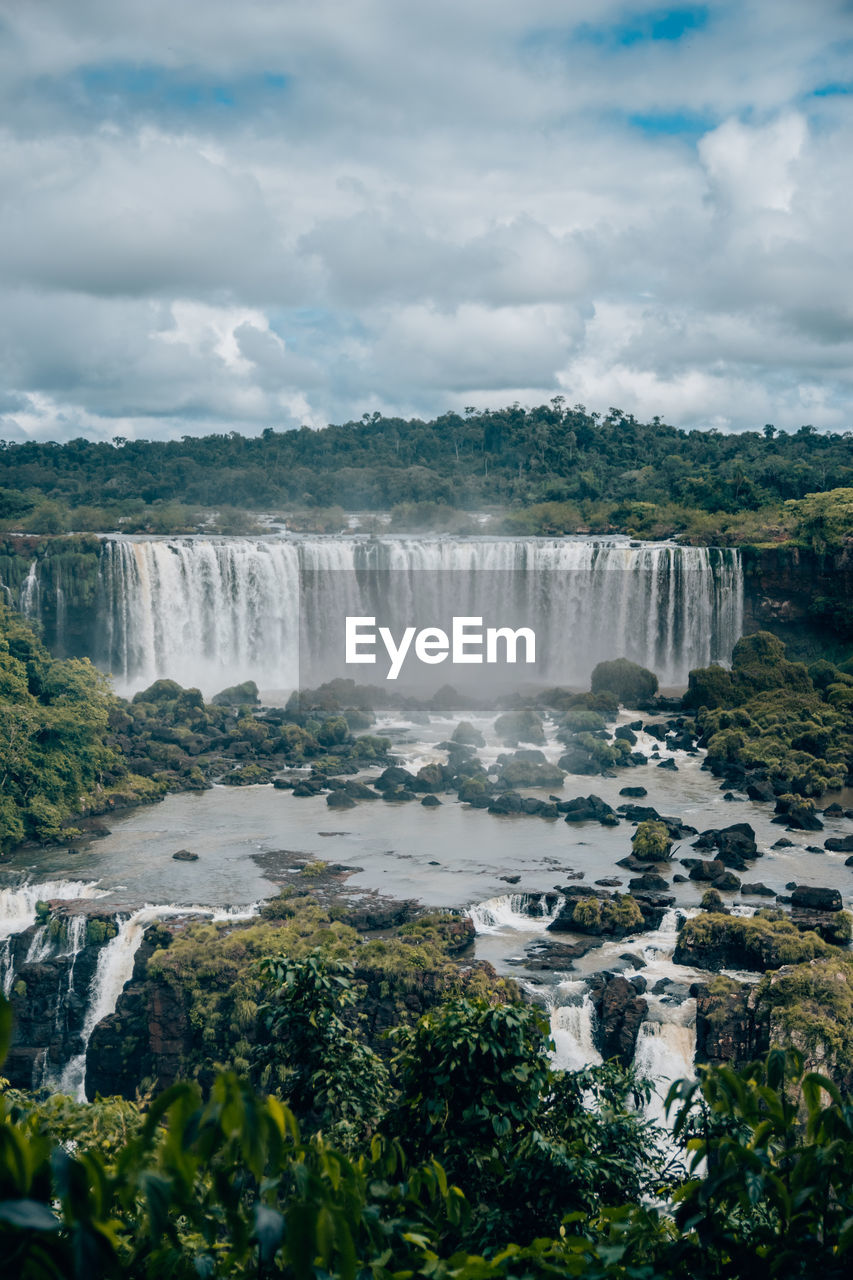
(666, 1046)
(18, 903)
(113, 972)
(30, 593)
(7, 967)
(40, 947)
(530, 912)
(573, 1028)
(115, 965)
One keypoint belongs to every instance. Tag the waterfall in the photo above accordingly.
(531, 912)
(18, 902)
(114, 968)
(30, 593)
(211, 611)
(666, 1046)
(573, 1028)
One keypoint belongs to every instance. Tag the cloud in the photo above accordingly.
(217, 216)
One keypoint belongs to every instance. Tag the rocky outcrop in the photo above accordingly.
(619, 1012)
(728, 1026)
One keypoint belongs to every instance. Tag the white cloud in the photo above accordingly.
(433, 205)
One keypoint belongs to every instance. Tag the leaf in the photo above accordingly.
(28, 1215)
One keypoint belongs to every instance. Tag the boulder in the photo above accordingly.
(811, 898)
(839, 844)
(619, 1010)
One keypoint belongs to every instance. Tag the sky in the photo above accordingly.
(220, 216)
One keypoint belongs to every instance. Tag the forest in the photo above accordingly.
(551, 469)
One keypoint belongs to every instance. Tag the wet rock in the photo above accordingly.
(726, 1025)
(637, 792)
(711, 870)
(757, 889)
(668, 764)
(833, 811)
(394, 777)
(679, 879)
(839, 844)
(185, 855)
(625, 734)
(760, 790)
(608, 882)
(811, 898)
(727, 882)
(639, 983)
(783, 843)
(633, 960)
(510, 879)
(340, 800)
(589, 809)
(467, 735)
(530, 773)
(549, 956)
(813, 848)
(734, 842)
(648, 882)
(430, 802)
(619, 1010)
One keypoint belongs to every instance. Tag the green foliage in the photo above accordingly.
(651, 842)
(306, 1051)
(558, 469)
(766, 940)
(630, 683)
(770, 714)
(53, 729)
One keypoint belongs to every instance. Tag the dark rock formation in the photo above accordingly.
(619, 1010)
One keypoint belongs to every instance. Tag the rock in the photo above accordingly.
(848, 862)
(711, 870)
(757, 889)
(735, 842)
(589, 809)
(727, 882)
(648, 882)
(726, 1028)
(510, 879)
(813, 848)
(609, 882)
(340, 800)
(784, 843)
(506, 803)
(551, 956)
(530, 773)
(393, 777)
(430, 802)
(619, 1010)
(633, 960)
(761, 791)
(711, 901)
(833, 811)
(521, 725)
(637, 792)
(811, 898)
(237, 695)
(668, 764)
(467, 735)
(839, 844)
(679, 879)
(792, 884)
(185, 855)
(639, 983)
(625, 734)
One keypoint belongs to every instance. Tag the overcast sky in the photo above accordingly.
(221, 215)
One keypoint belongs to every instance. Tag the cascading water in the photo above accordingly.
(526, 911)
(210, 611)
(18, 902)
(573, 1028)
(666, 1046)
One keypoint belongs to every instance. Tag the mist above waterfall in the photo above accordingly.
(215, 611)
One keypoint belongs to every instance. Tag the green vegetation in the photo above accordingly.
(53, 730)
(477, 1162)
(651, 842)
(766, 940)
(556, 469)
(627, 681)
(793, 724)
